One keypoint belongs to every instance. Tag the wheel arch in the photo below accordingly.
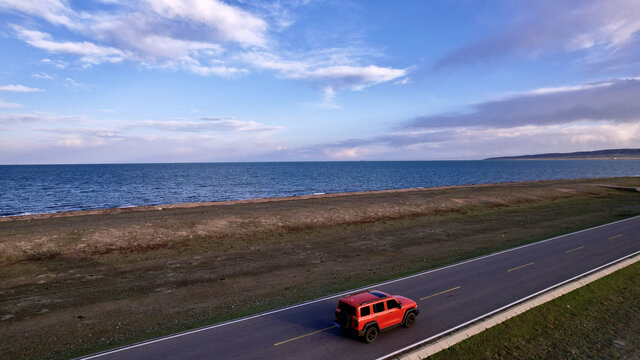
(409, 311)
(371, 323)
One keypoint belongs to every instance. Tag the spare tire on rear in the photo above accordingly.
(344, 319)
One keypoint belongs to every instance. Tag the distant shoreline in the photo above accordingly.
(566, 158)
(609, 154)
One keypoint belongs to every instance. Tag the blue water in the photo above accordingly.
(32, 189)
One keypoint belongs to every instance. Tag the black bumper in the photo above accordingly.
(350, 330)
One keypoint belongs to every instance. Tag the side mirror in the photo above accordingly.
(399, 305)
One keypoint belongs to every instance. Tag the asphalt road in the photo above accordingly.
(447, 297)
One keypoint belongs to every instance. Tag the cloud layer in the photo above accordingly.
(77, 139)
(591, 116)
(606, 30)
(204, 37)
(613, 100)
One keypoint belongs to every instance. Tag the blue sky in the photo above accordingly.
(249, 80)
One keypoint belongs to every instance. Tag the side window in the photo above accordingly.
(365, 310)
(392, 304)
(379, 307)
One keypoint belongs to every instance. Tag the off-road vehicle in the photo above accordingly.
(367, 313)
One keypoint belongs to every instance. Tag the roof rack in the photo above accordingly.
(374, 300)
(358, 293)
(373, 292)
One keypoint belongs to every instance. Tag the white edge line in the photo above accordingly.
(188, 332)
(505, 307)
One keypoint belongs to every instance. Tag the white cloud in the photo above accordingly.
(355, 77)
(55, 11)
(155, 46)
(57, 64)
(44, 76)
(8, 105)
(322, 68)
(72, 82)
(160, 34)
(33, 118)
(19, 88)
(88, 51)
(208, 125)
(208, 70)
(216, 118)
(348, 153)
(203, 125)
(329, 95)
(228, 22)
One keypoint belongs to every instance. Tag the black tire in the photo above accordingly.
(371, 334)
(410, 319)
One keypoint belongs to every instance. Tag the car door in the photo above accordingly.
(393, 314)
(379, 312)
(365, 316)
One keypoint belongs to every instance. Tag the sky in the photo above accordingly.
(114, 81)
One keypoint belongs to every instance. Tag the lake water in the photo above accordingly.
(31, 189)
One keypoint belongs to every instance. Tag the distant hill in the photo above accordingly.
(581, 155)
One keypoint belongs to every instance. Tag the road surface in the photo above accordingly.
(447, 297)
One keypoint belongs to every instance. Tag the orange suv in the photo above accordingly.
(367, 313)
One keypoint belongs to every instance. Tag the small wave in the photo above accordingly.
(319, 193)
(20, 214)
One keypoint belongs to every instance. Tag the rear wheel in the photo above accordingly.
(410, 320)
(371, 334)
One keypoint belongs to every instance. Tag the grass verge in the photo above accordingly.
(598, 321)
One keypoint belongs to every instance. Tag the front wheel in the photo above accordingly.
(410, 320)
(371, 334)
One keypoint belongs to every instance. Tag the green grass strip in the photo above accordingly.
(597, 321)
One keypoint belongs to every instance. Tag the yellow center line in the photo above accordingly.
(520, 267)
(441, 292)
(616, 236)
(301, 336)
(572, 250)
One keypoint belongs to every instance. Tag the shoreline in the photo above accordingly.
(561, 158)
(189, 205)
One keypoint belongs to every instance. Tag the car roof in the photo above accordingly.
(364, 297)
